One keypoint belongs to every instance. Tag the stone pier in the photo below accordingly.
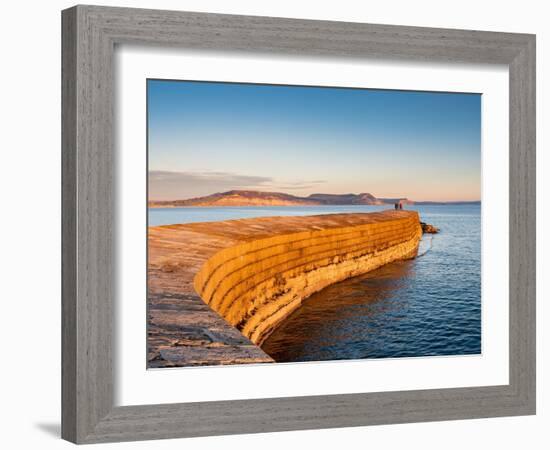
(216, 290)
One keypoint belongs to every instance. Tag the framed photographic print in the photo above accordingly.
(268, 222)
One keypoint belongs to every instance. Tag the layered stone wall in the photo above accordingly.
(256, 282)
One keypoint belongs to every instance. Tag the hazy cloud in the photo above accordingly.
(298, 185)
(167, 185)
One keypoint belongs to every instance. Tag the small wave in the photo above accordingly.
(429, 245)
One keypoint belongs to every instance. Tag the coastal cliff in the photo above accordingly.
(260, 198)
(237, 198)
(252, 274)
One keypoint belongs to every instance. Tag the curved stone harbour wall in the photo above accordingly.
(254, 285)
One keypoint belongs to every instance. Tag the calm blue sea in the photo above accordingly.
(427, 306)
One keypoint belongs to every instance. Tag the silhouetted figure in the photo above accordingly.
(400, 204)
(396, 205)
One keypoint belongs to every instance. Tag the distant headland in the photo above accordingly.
(260, 198)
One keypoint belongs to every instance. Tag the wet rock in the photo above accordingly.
(427, 228)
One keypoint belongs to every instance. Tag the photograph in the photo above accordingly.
(310, 223)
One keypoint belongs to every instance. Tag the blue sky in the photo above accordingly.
(212, 137)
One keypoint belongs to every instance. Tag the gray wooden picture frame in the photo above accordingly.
(90, 34)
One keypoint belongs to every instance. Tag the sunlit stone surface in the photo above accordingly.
(252, 274)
